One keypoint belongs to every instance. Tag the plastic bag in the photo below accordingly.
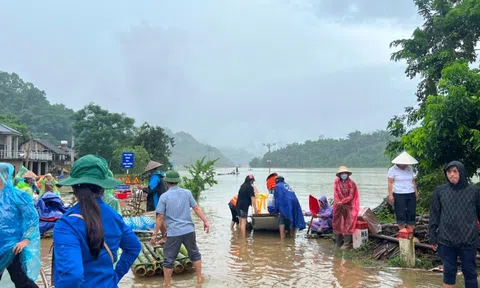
(367, 215)
(18, 221)
(140, 223)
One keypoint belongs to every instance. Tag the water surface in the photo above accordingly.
(262, 260)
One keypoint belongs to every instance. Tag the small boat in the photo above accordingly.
(230, 173)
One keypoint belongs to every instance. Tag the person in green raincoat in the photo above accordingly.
(111, 200)
(48, 178)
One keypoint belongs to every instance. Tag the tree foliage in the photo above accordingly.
(202, 176)
(450, 129)
(156, 142)
(101, 132)
(31, 107)
(444, 126)
(450, 32)
(140, 162)
(357, 150)
(13, 122)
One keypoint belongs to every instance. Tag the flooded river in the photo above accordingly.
(262, 260)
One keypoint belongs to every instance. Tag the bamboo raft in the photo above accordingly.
(150, 260)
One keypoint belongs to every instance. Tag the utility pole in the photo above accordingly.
(72, 153)
(269, 145)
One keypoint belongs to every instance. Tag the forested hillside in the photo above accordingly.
(357, 150)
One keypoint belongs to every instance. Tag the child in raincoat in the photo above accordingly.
(323, 220)
(19, 232)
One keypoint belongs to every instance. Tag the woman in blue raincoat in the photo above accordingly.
(19, 232)
(88, 236)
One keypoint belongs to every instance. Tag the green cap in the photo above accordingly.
(172, 176)
(90, 169)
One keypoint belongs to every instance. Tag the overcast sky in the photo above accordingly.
(231, 73)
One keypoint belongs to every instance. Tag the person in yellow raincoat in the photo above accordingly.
(48, 178)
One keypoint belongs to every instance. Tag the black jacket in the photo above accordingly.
(159, 190)
(454, 212)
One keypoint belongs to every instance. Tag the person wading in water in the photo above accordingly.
(174, 207)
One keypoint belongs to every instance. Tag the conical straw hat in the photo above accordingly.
(404, 159)
(152, 165)
(30, 174)
(343, 169)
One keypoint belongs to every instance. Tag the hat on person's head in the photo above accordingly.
(272, 175)
(251, 177)
(90, 169)
(343, 169)
(405, 159)
(152, 165)
(172, 176)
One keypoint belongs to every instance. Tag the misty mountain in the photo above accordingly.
(238, 156)
(187, 150)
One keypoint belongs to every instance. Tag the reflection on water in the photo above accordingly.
(262, 260)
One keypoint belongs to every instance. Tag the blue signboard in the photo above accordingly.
(128, 158)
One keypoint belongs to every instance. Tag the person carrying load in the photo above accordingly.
(48, 179)
(19, 232)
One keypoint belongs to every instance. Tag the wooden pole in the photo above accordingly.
(392, 239)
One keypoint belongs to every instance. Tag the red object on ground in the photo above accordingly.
(122, 195)
(313, 205)
(361, 225)
(405, 233)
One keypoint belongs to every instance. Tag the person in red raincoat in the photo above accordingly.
(345, 208)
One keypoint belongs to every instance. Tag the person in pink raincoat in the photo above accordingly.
(345, 208)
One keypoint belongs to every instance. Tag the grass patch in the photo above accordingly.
(420, 263)
(362, 256)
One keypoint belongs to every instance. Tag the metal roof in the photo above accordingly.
(51, 147)
(4, 129)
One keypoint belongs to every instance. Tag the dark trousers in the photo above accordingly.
(18, 275)
(449, 256)
(405, 208)
(171, 248)
(233, 210)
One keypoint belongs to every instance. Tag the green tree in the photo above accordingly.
(13, 122)
(30, 105)
(101, 132)
(450, 129)
(357, 150)
(450, 32)
(141, 159)
(156, 142)
(202, 176)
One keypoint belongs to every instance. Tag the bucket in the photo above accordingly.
(360, 236)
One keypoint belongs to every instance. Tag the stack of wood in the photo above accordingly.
(150, 260)
(385, 243)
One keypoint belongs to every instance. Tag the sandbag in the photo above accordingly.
(366, 214)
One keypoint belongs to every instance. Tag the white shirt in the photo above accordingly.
(402, 180)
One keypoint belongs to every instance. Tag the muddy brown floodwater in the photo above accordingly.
(261, 260)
